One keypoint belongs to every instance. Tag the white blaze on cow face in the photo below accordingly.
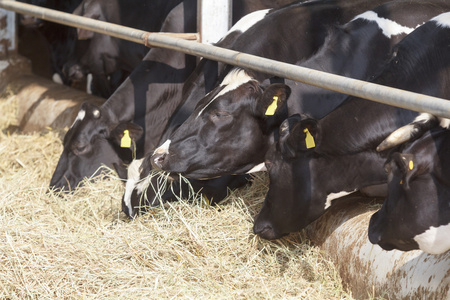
(334, 196)
(435, 240)
(388, 27)
(80, 116)
(132, 181)
(232, 81)
(443, 20)
(258, 168)
(163, 149)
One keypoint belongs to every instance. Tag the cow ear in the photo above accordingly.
(84, 34)
(297, 136)
(407, 166)
(273, 99)
(126, 134)
(88, 12)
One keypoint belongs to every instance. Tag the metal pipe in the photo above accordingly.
(396, 97)
(115, 30)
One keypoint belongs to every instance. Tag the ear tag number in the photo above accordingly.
(309, 139)
(125, 142)
(411, 165)
(272, 107)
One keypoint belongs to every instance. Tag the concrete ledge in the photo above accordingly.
(367, 269)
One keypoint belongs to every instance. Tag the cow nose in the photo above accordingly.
(265, 230)
(158, 160)
(374, 231)
(374, 237)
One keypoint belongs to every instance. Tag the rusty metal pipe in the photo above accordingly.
(396, 97)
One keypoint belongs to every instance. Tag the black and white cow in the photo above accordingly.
(231, 128)
(416, 212)
(316, 161)
(272, 37)
(110, 60)
(148, 97)
(55, 42)
(94, 138)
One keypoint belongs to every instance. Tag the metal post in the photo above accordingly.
(367, 90)
(214, 19)
(7, 32)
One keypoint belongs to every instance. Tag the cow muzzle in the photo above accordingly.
(160, 155)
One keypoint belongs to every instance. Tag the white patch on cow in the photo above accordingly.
(388, 27)
(132, 181)
(334, 196)
(249, 20)
(445, 123)
(435, 240)
(57, 78)
(234, 79)
(163, 149)
(426, 117)
(442, 20)
(80, 116)
(258, 168)
(89, 83)
(423, 118)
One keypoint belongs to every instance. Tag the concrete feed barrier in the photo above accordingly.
(366, 269)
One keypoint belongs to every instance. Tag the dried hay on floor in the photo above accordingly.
(81, 245)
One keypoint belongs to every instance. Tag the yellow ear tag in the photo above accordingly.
(411, 165)
(272, 107)
(401, 181)
(309, 139)
(125, 142)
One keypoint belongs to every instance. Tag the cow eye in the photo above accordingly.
(219, 115)
(80, 149)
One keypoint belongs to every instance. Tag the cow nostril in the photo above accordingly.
(158, 160)
(265, 230)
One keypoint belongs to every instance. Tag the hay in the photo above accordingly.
(80, 246)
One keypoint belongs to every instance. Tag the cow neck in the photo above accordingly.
(359, 125)
(366, 169)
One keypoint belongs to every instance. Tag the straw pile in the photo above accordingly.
(81, 246)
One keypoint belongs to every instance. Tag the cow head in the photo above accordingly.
(305, 178)
(93, 52)
(416, 213)
(94, 141)
(291, 182)
(227, 132)
(146, 187)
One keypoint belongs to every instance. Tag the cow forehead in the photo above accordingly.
(388, 27)
(80, 116)
(231, 82)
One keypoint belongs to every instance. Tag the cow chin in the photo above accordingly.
(377, 236)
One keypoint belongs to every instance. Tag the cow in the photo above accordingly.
(416, 212)
(231, 128)
(308, 21)
(316, 161)
(109, 59)
(55, 41)
(142, 105)
(94, 138)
